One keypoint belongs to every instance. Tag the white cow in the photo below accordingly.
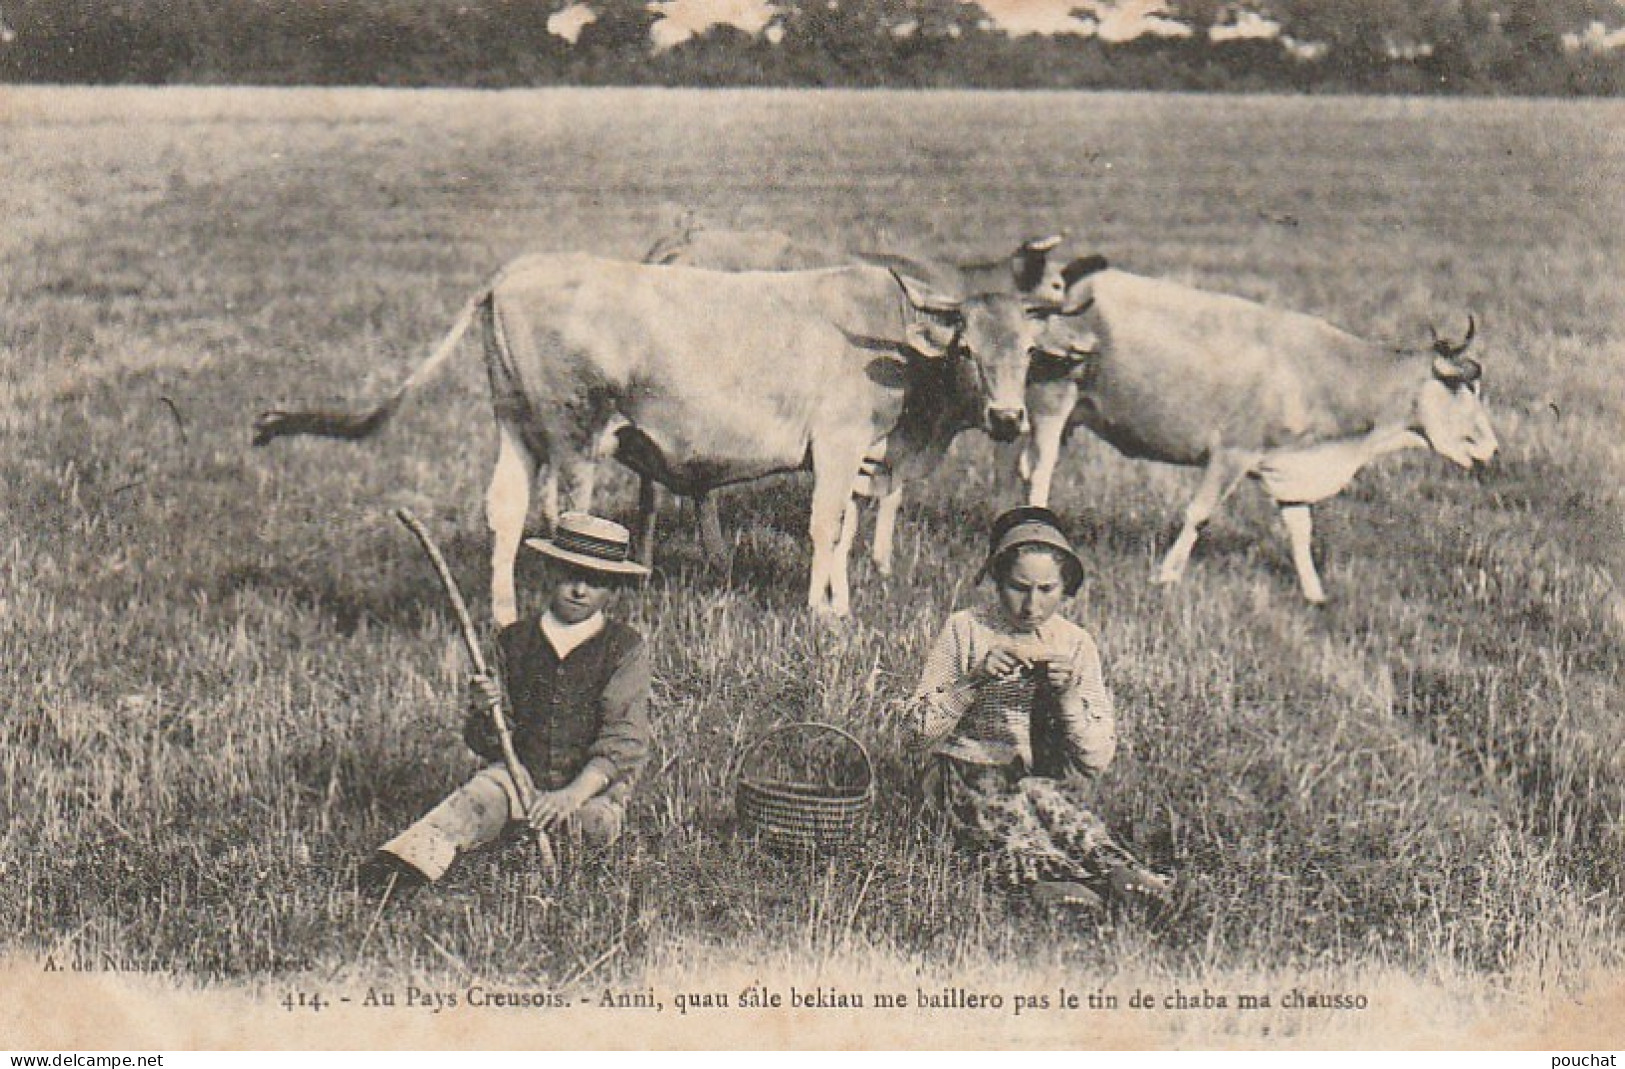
(698, 379)
(927, 427)
(1184, 376)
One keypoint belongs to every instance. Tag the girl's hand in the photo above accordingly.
(1003, 663)
(1060, 674)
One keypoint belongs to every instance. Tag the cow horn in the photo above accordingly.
(1451, 350)
(1042, 244)
(1042, 309)
(926, 299)
(1456, 371)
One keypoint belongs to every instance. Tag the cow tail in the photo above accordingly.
(351, 426)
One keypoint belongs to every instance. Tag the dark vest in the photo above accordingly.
(557, 714)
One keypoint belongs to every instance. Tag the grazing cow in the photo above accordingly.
(1184, 376)
(697, 379)
(927, 426)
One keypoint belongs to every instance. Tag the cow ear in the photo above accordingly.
(926, 299)
(930, 340)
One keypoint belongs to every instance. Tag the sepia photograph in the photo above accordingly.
(812, 524)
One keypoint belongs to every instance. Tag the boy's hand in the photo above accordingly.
(551, 807)
(484, 690)
(1003, 663)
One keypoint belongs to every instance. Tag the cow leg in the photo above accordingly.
(648, 515)
(840, 555)
(880, 483)
(851, 516)
(581, 478)
(1224, 470)
(550, 498)
(710, 525)
(1300, 532)
(835, 470)
(1010, 471)
(1050, 407)
(886, 510)
(908, 464)
(507, 501)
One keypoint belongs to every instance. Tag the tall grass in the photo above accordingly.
(229, 675)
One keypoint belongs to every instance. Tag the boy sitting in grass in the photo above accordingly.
(578, 690)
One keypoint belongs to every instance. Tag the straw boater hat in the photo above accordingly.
(588, 542)
(1033, 525)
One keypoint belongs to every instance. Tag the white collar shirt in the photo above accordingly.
(567, 638)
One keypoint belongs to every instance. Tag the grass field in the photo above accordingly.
(228, 674)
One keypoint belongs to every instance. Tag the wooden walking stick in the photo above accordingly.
(499, 719)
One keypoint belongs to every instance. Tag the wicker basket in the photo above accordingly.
(804, 815)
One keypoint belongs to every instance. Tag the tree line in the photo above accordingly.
(1545, 47)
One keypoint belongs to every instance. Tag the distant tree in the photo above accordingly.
(614, 47)
(93, 41)
(721, 56)
(514, 45)
(1535, 56)
(1522, 46)
(835, 42)
(929, 37)
(1361, 39)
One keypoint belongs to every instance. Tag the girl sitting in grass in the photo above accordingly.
(1016, 719)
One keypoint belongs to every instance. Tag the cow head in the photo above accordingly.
(991, 339)
(669, 248)
(1450, 411)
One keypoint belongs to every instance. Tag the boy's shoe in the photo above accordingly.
(386, 875)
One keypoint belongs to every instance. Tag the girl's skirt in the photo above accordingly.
(1029, 829)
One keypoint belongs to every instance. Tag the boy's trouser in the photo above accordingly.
(479, 812)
